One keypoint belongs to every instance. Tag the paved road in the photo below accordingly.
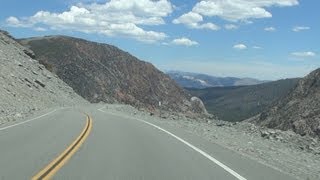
(118, 147)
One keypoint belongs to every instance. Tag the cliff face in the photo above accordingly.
(104, 73)
(299, 110)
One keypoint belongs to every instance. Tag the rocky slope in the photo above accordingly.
(104, 73)
(26, 85)
(241, 102)
(199, 81)
(299, 110)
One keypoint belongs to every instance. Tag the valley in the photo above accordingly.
(238, 103)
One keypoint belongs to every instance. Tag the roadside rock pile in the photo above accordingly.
(293, 140)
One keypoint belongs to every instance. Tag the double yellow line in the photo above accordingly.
(49, 171)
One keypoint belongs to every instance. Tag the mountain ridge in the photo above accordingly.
(198, 80)
(113, 75)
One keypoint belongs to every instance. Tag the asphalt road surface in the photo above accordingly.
(68, 144)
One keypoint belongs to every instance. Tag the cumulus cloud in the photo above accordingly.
(194, 21)
(270, 29)
(240, 46)
(236, 10)
(300, 28)
(113, 18)
(13, 20)
(304, 54)
(184, 42)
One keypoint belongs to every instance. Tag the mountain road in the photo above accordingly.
(93, 143)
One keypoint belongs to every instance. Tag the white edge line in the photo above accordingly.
(226, 168)
(7, 127)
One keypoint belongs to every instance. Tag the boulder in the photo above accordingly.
(197, 106)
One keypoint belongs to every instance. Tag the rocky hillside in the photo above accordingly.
(299, 111)
(26, 85)
(104, 73)
(199, 81)
(238, 103)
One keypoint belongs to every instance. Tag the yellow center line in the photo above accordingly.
(52, 168)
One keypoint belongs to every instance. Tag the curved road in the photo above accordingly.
(118, 147)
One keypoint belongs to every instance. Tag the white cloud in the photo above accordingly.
(256, 47)
(12, 20)
(40, 29)
(240, 46)
(15, 22)
(209, 26)
(270, 29)
(189, 19)
(231, 26)
(239, 10)
(193, 21)
(300, 28)
(113, 18)
(304, 54)
(184, 42)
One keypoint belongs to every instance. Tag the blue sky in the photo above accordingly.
(265, 39)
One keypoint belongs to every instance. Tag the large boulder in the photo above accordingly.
(197, 106)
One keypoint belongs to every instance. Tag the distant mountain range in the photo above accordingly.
(196, 80)
(238, 103)
(104, 73)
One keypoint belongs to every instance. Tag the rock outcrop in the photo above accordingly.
(299, 110)
(26, 85)
(104, 73)
(197, 105)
